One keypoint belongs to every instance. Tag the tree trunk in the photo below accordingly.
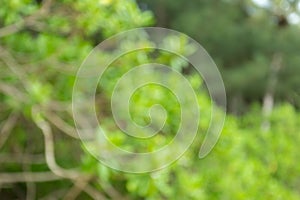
(268, 101)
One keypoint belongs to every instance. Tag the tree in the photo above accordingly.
(42, 44)
(243, 39)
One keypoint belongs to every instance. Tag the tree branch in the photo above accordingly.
(7, 127)
(27, 21)
(20, 158)
(62, 125)
(49, 148)
(28, 177)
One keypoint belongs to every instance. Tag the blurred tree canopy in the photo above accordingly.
(244, 39)
(43, 43)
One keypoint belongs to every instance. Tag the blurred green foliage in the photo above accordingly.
(43, 43)
(243, 38)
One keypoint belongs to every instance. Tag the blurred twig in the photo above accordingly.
(60, 106)
(7, 127)
(83, 185)
(78, 187)
(26, 21)
(14, 66)
(78, 178)
(54, 195)
(28, 177)
(93, 193)
(61, 124)
(30, 186)
(111, 191)
(21, 158)
(12, 91)
(49, 148)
